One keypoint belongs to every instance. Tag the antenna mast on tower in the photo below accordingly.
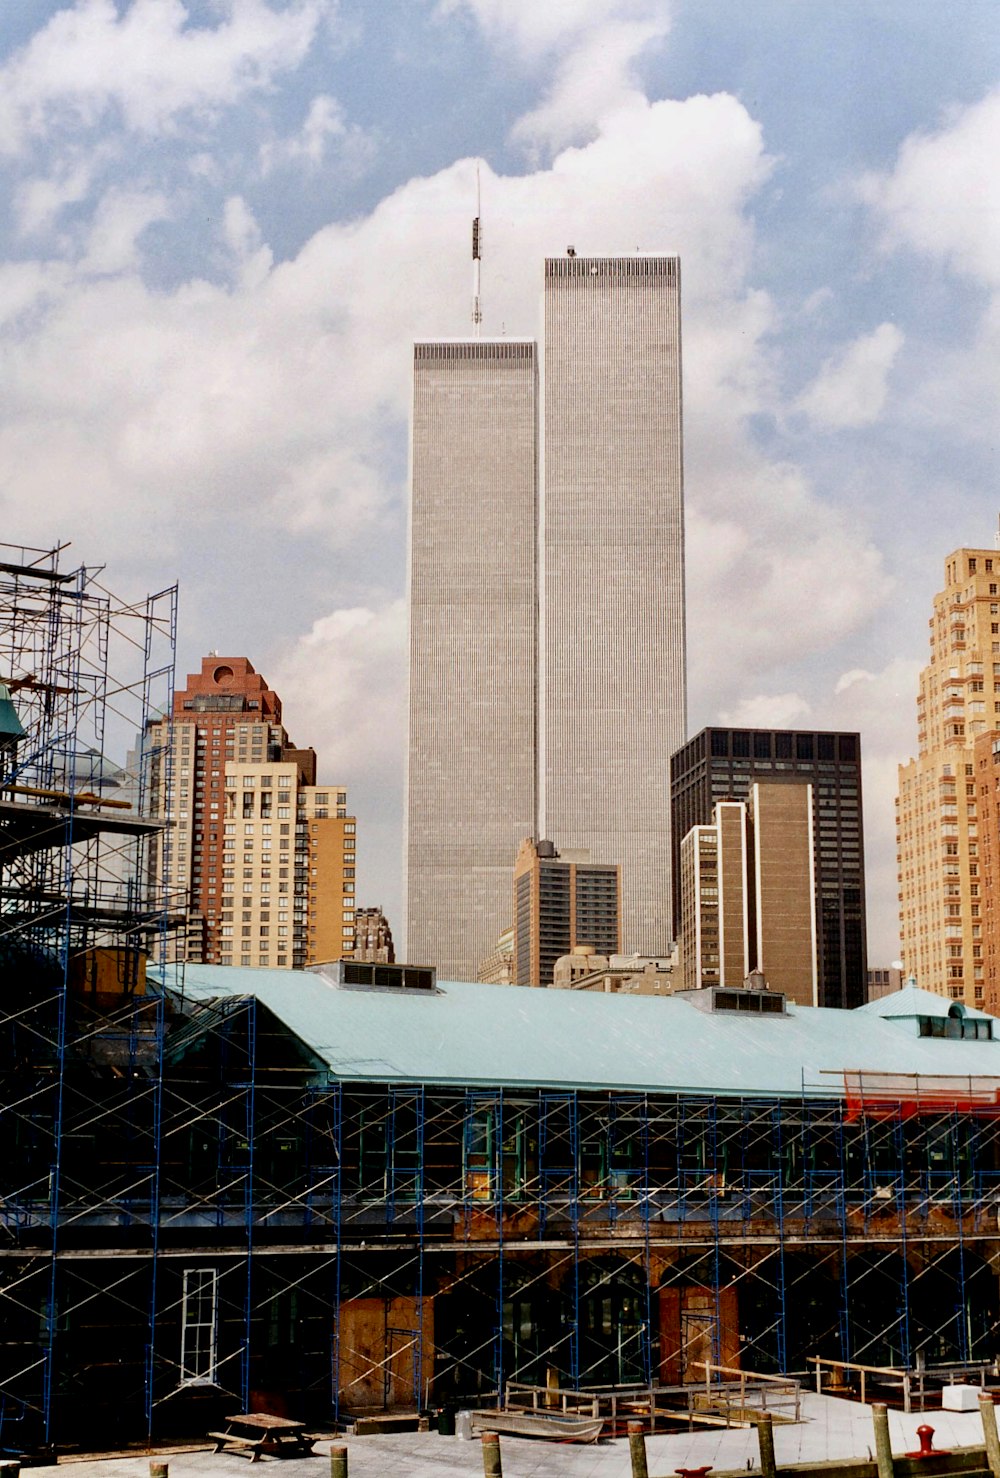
(477, 311)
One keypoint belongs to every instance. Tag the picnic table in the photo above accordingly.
(255, 1433)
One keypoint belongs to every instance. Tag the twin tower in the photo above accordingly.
(547, 657)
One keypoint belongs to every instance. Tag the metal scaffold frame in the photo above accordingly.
(392, 1245)
(195, 1210)
(85, 672)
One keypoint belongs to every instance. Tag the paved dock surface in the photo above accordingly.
(830, 1429)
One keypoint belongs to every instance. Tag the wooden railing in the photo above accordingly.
(738, 1384)
(910, 1382)
(613, 1404)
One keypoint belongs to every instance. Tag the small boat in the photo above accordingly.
(558, 1424)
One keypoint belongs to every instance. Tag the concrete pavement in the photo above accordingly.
(830, 1429)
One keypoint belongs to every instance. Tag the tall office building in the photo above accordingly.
(613, 661)
(986, 763)
(260, 861)
(373, 937)
(473, 642)
(946, 791)
(723, 764)
(560, 904)
(748, 900)
(547, 667)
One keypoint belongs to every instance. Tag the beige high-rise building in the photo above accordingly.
(259, 861)
(939, 805)
(784, 904)
(748, 895)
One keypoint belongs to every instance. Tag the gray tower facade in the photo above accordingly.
(547, 655)
(613, 679)
(471, 768)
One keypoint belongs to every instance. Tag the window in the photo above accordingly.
(198, 1316)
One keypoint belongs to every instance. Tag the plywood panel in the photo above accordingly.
(386, 1348)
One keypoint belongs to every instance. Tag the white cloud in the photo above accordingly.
(348, 678)
(942, 198)
(593, 79)
(768, 711)
(118, 222)
(259, 422)
(851, 387)
(590, 45)
(40, 199)
(534, 30)
(323, 130)
(241, 234)
(146, 61)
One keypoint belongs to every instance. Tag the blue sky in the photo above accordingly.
(226, 220)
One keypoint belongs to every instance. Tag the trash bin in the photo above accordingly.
(463, 1426)
(446, 1421)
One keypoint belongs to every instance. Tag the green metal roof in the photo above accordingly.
(491, 1035)
(912, 1002)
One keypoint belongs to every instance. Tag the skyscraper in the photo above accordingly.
(473, 642)
(942, 798)
(748, 902)
(260, 860)
(547, 667)
(559, 904)
(613, 662)
(724, 764)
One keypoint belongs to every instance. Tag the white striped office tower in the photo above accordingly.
(547, 660)
(473, 639)
(612, 645)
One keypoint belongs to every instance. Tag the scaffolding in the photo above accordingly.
(82, 1021)
(195, 1209)
(346, 1247)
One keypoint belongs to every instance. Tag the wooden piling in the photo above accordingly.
(637, 1450)
(765, 1439)
(988, 1413)
(338, 1461)
(492, 1462)
(883, 1446)
(158, 1469)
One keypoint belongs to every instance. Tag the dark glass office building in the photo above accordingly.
(722, 764)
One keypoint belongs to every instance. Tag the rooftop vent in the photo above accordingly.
(956, 1026)
(379, 977)
(725, 999)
